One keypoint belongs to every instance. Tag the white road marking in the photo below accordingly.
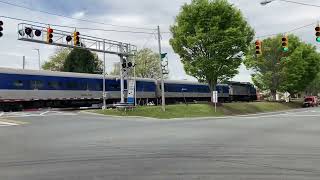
(36, 114)
(2, 124)
(305, 115)
(1, 114)
(41, 114)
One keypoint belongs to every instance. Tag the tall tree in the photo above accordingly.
(314, 87)
(56, 61)
(83, 61)
(211, 37)
(147, 64)
(276, 70)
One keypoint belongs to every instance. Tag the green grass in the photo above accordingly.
(201, 110)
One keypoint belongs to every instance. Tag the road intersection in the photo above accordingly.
(75, 145)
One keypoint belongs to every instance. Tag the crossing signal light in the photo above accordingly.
(68, 38)
(130, 64)
(28, 31)
(285, 44)
(317, 33)
(37, 32)
(49, 35)
(1, 28)
(124, 63)
(76, 38)
(258, 47)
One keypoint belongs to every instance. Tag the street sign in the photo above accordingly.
(286, 97)
(214, 96)
(215, 99)
(131, 85)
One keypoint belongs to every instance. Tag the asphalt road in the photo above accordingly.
(69, 146)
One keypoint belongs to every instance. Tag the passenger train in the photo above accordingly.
(30, 88)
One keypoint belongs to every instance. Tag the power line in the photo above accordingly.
(64, 16)
(300, 3)
(289, 31)
(113, 30)
(73, 27)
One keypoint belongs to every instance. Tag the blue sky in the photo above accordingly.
(274, 18)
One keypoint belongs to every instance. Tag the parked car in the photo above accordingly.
(310, 101)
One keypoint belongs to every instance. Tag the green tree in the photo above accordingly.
(276, 70)
(147, 65)
(56, 61)
(83, 61)
(211, 38)
(314, 87)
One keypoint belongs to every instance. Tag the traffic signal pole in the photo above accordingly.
(163, 100)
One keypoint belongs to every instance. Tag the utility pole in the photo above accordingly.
(121, 76)
(23, 62)
(160, 66)
(104, 96)
(39, 61)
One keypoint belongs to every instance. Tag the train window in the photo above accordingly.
(36, 84)
(72, 85)
(54, 84)
(99, 87)
(18, 83)
(115, 86)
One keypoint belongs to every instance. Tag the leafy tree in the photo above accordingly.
(276, 70)
(147, 64)
(56, 61)
(301, 69)
(314, 87)
(211, 38)
(82, 61)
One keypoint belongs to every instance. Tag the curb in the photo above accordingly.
(201, 118)
(121, 117)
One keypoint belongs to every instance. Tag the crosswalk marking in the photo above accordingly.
(36, 114)
(4, 123)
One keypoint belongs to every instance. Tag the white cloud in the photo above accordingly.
(274, 18)
(78, 15)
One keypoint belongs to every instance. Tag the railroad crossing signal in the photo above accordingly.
(68, 38)
(49, 35)
(76, 38)
(28, 31)
(258, 47)
(317, 33)
(285, 44)
(163, 55)
(37, 32)
(1, 28)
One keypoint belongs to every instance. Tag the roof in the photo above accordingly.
(60, 74)
(184, 82)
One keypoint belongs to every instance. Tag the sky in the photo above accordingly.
(276, 17)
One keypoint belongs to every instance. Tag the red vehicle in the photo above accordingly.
(310, 101)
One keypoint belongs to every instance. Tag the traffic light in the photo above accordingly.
(317, 33)
(1, 28)
(258, 47)
(76, 38)
(49, 35)
(285, 44)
